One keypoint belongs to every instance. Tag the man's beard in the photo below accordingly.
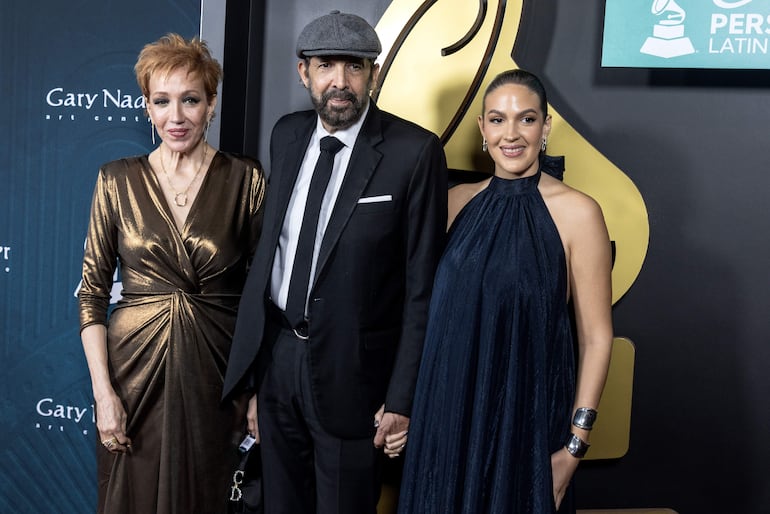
(339, 118)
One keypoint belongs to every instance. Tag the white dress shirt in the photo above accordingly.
(283, 263)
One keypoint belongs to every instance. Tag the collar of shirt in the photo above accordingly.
(347, 136)
(283, 261)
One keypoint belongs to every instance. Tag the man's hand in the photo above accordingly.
(392, 430)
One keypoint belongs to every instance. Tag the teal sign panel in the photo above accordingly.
(687, 34)
(71, 103)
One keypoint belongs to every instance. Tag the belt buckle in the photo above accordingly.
(301, 332)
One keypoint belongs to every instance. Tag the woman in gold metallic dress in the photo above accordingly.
(182, 224)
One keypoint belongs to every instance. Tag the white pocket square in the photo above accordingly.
(375, 199)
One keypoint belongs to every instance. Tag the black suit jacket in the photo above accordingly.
(368, 305)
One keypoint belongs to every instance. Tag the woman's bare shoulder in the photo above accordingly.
(560, 196)
(460, 195)
(577, 215)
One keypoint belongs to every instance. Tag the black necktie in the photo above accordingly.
(303, 260)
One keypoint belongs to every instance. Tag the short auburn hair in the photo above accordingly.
(173, 52)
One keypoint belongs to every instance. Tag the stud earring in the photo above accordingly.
(543, 145)
(484, 145)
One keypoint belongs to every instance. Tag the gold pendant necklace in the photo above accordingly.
(180, 199)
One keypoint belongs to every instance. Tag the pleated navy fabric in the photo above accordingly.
(497, 379)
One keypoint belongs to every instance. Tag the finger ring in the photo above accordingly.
(109, 443)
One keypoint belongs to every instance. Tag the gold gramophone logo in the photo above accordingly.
(439, 55)
(668, 39)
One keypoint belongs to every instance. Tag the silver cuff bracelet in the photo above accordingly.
(584, 418)
(576, 446)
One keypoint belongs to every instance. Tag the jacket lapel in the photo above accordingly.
(280, 187)
(289, 162)
(363, 162)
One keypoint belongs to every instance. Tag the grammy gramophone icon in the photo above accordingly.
(668, 39)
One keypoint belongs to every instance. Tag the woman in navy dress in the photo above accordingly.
(510, 380)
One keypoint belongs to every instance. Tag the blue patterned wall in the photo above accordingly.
(70, 103)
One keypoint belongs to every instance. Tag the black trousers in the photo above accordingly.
(306, 469)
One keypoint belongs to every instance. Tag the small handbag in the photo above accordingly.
(245, 494)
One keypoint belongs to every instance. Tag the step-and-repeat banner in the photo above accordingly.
(687, 34)
(69, 103)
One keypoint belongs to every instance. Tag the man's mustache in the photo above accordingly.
(338, 95)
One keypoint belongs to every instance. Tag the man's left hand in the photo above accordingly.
(392, 430)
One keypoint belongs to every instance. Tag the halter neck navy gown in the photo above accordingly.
(497, 379)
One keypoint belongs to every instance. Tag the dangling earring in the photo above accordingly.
(543, 145)
(206, 133)
(484, 145)
(152, 131)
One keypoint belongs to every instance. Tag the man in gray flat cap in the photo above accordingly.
(332, 318)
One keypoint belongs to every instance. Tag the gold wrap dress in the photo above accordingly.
(168, 338)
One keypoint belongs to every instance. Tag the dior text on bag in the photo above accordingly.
(245, 494)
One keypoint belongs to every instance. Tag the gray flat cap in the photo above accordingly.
(339, 33)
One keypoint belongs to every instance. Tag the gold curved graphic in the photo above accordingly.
(435, 64)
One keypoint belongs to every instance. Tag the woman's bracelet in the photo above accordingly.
(576, 446)
(584, 418)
